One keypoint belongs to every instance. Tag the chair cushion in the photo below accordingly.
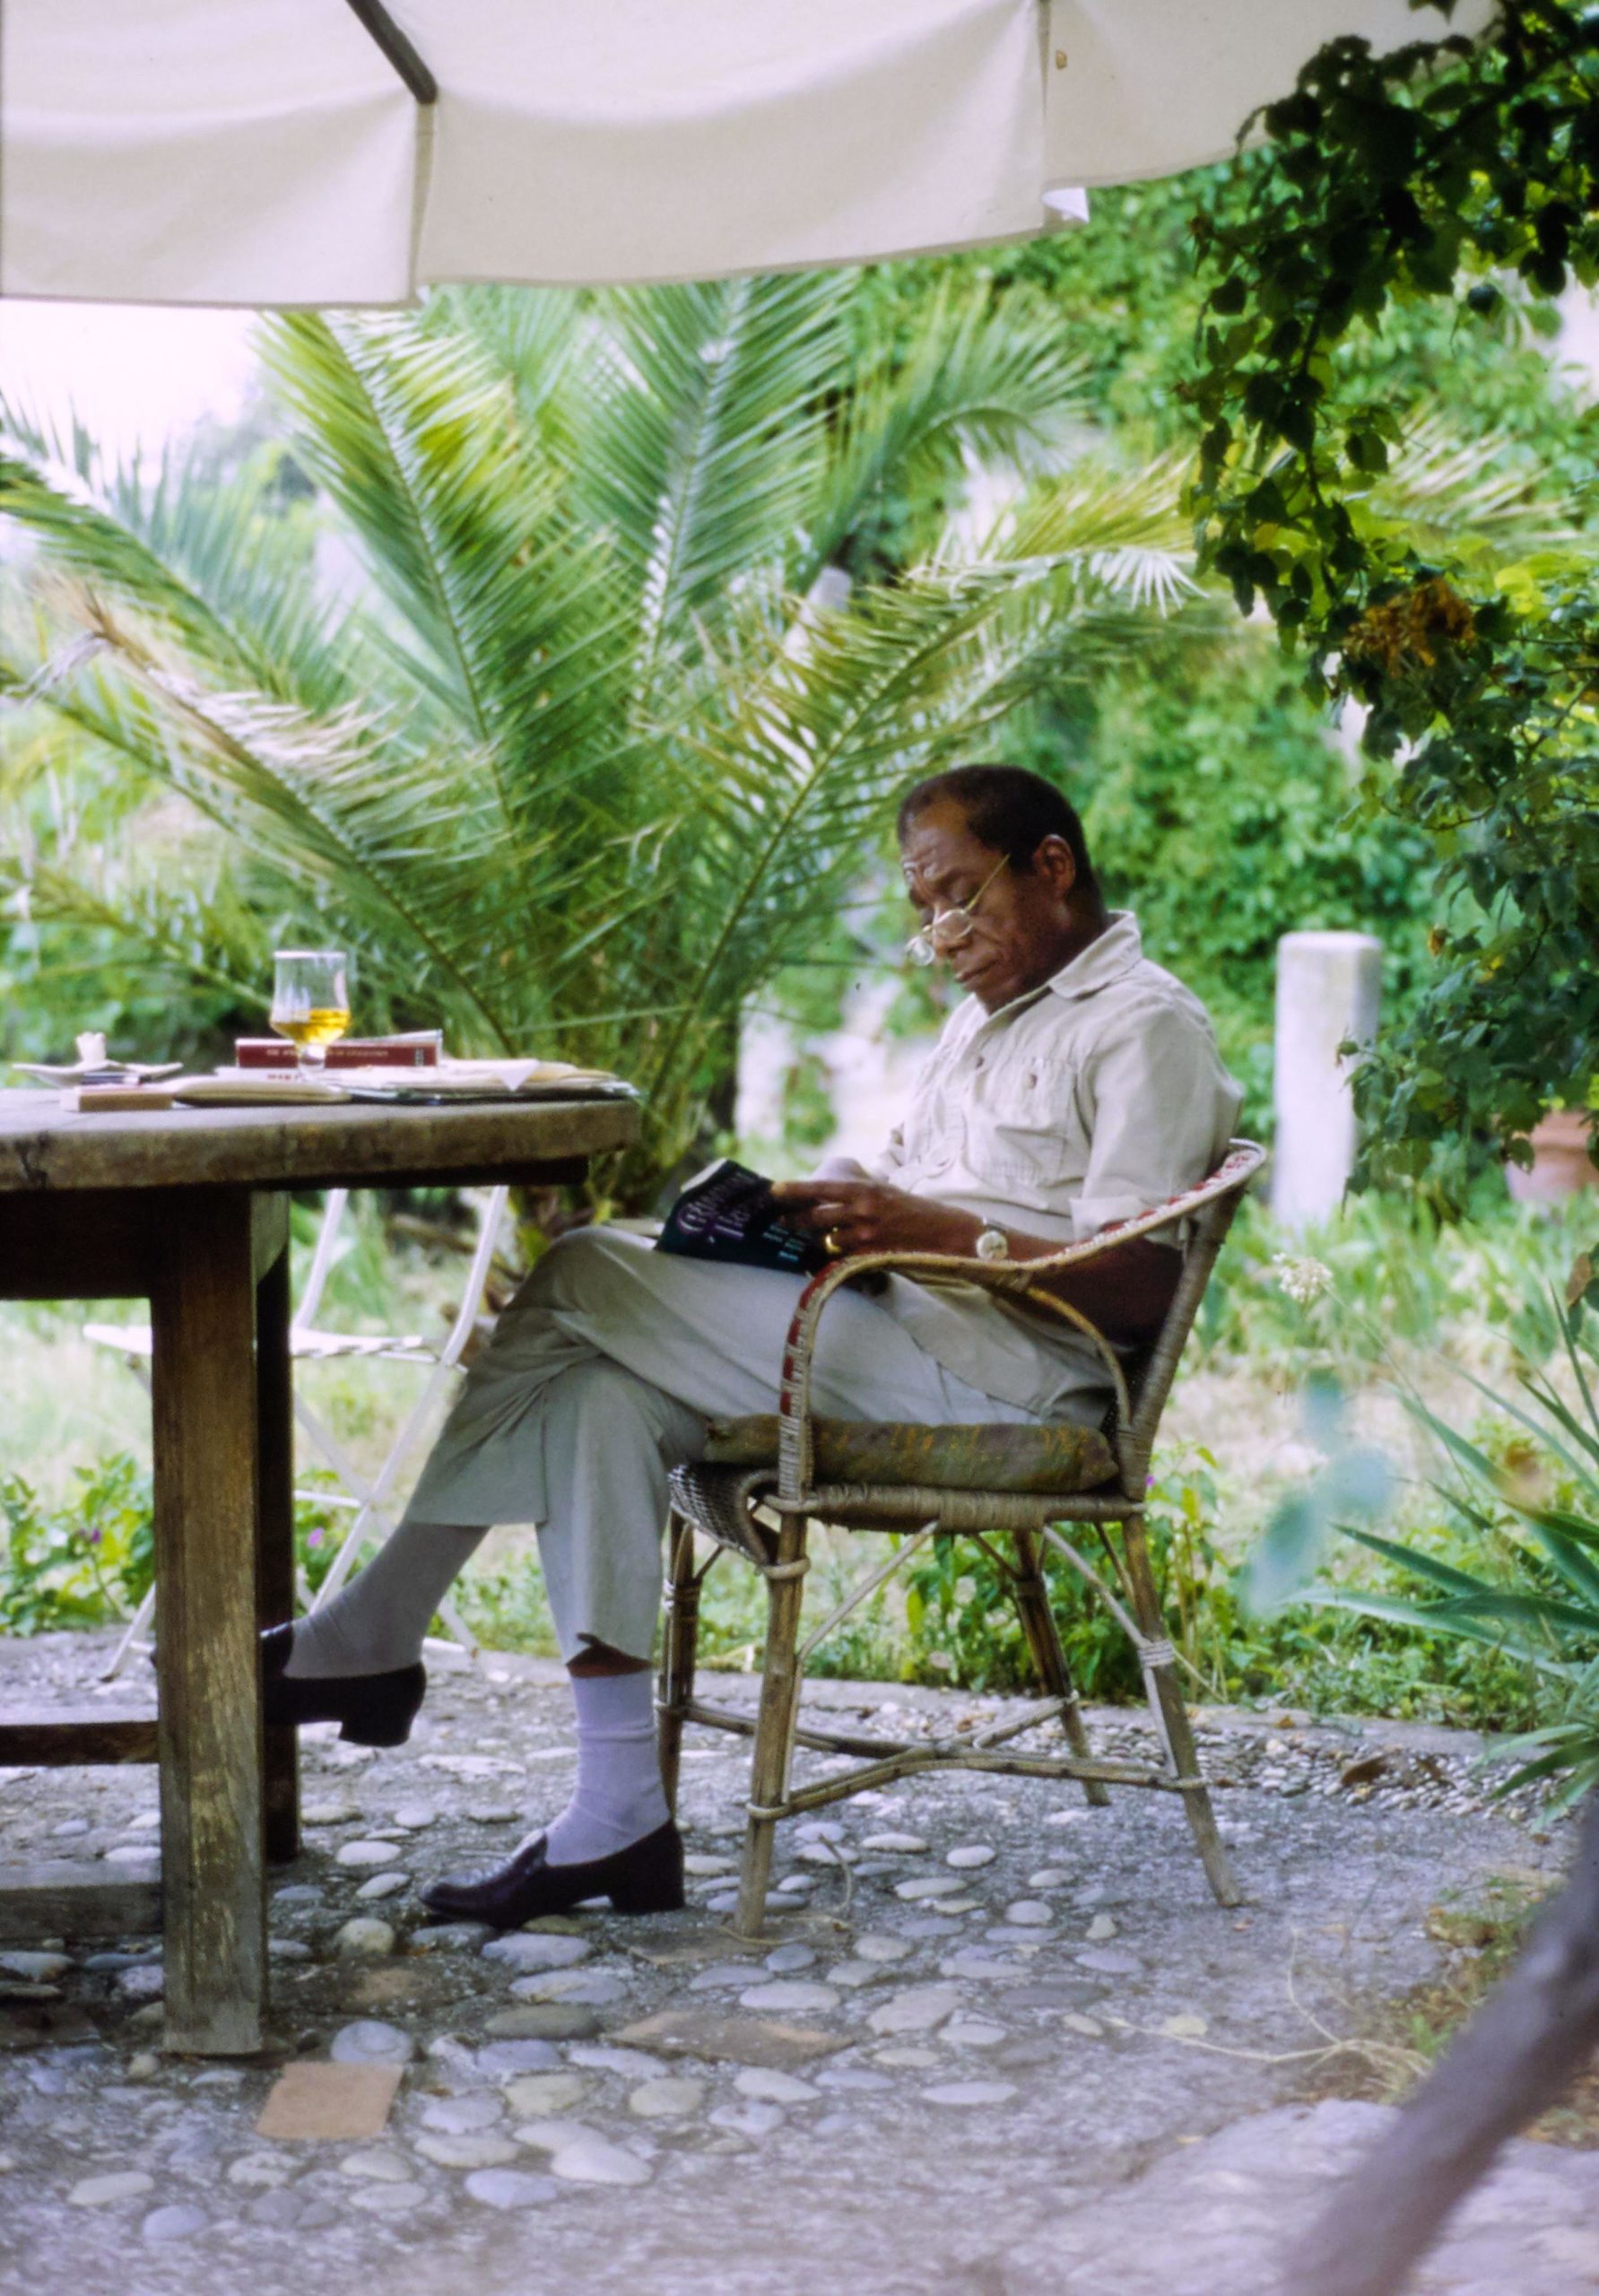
(986, 1457)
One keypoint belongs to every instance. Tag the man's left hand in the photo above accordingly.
(866, 1215)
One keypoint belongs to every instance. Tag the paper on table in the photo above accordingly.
(470, 1080)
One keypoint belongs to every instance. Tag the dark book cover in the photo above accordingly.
(729, 1212)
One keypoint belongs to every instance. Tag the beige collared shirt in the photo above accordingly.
(1096, 1098)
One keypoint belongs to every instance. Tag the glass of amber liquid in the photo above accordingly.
(310, 1003)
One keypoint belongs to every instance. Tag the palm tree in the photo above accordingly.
(600, 740)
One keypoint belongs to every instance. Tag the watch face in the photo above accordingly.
(991, 1244)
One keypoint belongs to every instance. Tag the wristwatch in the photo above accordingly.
(991, 1244)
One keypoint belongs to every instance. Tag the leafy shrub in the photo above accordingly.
(80, 1563)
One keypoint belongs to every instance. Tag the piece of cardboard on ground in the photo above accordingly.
(329, 2100)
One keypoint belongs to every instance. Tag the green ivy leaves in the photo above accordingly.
(1470, 172)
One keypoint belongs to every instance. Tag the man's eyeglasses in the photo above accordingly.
(948, 928)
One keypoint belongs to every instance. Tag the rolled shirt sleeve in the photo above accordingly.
(1160, 1110)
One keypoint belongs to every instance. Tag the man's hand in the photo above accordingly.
(866, 1215)
(1126, 1292)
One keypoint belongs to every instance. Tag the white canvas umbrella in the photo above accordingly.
(263, 152)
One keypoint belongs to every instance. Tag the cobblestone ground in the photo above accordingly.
(995, 2043)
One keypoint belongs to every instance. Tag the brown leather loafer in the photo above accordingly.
(372, 1709)
(647, 1877)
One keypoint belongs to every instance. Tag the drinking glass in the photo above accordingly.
(310, 1003)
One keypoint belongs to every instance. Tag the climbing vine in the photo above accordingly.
(1467, 172)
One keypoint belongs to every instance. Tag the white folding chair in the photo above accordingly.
(368, 1499)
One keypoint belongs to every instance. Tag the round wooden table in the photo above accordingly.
(189, 1208)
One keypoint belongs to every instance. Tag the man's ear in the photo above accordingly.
(1053, 862)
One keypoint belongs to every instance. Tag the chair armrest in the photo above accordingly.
(1016, 1279)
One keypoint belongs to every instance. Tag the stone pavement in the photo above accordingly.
(994, 2045)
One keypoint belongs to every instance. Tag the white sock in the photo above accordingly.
(618, 1798)
(378, 1620)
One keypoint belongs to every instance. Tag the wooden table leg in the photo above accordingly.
(212, 1874)
(274, 1554)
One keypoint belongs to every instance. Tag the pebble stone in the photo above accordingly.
(491, 1813)
(366, 1853)
(288, 1949)
(749, 2120)
(1049, 1877)
(173, 2223)
(917, 2010)
(970, 2093)
(913, 2056)
(877, 1945)
(973, 2032)
(1031, 1913)
(580, 2155)
(672, 2097)
(543, 2021)
(412, 1816)
(473, 2149)
(383, 1886)
(632, 2064)
(146, 1981)
(1099, 1928)
(42, 1968)
(450, 1937)
(362, 1936)
(100, 2192)
(508, 2060)
(721, 1975)
(852, 1975)
(594, 1990)
(509, 2188)
(787, 1959)
(787, 1996)
(895, 1845)
(369, 2041)
(927, 1885)
(767, 2085)
(462, 2115)
(530, 1950)
(298, 1894)
(539, 2093)
(329, 1814)
(707, 1868)
(379, 2165)
(970, 1854)
(1109, 1961)
(389, 2200)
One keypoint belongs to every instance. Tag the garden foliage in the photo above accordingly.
(1464, 175)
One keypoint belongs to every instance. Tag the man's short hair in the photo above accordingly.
(1007, 809)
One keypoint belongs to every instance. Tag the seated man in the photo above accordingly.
(1078, 1085)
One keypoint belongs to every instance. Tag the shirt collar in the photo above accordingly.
(1115, 953)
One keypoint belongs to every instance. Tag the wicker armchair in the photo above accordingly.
(758, 1490)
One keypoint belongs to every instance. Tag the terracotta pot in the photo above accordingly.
(1561, 1165)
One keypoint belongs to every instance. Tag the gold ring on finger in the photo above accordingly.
(834, 1242)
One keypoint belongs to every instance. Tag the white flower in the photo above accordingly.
(1303, 1280)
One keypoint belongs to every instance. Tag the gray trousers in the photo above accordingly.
(600, 1379)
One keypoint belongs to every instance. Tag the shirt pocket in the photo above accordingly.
(1024, 1131)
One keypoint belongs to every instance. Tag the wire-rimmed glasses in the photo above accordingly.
(948, 928)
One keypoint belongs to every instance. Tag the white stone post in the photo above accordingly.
(1329, 989)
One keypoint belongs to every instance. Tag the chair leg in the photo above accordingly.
(774, 1729)
(1049, 1660)
(1171, 1718)
(680, 1644)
